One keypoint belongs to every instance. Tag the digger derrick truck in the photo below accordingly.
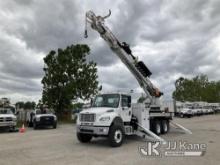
(112, 115)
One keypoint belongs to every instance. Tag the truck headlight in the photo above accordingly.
(55, 118)
(37, 118)
(14, 119)
(106, 118)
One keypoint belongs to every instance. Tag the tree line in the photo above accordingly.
(199, 88)
(26, 105)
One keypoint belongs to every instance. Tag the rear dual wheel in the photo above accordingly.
(165, 125)
(160, 126)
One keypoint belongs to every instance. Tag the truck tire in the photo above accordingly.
(182, 115)
(35, 125)
(12, 129)
(156, 127)
(84, 138)
(54, 125)
(165, 126)
(116, 136)
(29, 124)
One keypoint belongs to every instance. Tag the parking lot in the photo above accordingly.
(60, 146)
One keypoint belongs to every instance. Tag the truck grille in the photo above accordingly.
(8, 119)
(3, 119)
(87, 117)
(46, 119)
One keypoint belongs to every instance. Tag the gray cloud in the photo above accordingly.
(173, 38)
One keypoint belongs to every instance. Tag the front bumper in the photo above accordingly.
(8, 124)
(94, 130)
(45, 122)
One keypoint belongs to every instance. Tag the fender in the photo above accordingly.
(117, 121)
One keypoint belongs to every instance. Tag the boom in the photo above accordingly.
(122, 50)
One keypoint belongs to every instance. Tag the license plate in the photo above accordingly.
(86, 124)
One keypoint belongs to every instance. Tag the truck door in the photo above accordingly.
(126, 108)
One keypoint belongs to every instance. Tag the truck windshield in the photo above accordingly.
(106, 100)
(44, 111)
(5, 111)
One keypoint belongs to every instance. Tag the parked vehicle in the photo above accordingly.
(41, 118)
(217, 110)
(195, 112)
(200, 112)
(210, 111)
(7, 119)
(186, 112)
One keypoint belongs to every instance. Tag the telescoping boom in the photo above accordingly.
(122, 50)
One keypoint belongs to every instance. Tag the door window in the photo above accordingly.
(126, 101)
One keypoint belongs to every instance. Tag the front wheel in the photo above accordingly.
(54, 125)
(181, 115)
(116, 136)
(84, 138)
(29, 124)
(34, 125)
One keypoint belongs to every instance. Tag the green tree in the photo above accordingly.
(19, 104)
(198, 88)
(29, 105)
(26, 105)
(68, 76)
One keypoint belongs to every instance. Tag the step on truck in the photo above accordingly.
(112, 115)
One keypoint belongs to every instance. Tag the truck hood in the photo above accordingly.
(7, 115)
(42, 115)
(97, 110)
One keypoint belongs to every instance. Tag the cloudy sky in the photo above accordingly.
(174, 38)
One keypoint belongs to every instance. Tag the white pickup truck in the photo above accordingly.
(41, 118)
(7, 119)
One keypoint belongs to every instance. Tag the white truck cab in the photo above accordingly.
(7, 119)
(104, 109)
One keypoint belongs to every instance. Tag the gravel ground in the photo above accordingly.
(61, 147)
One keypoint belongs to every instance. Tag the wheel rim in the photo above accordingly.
(118, 136)
(158, 128)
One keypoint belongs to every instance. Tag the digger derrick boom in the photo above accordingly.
(137, 68)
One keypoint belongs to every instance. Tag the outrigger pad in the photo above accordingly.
(143, 69)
